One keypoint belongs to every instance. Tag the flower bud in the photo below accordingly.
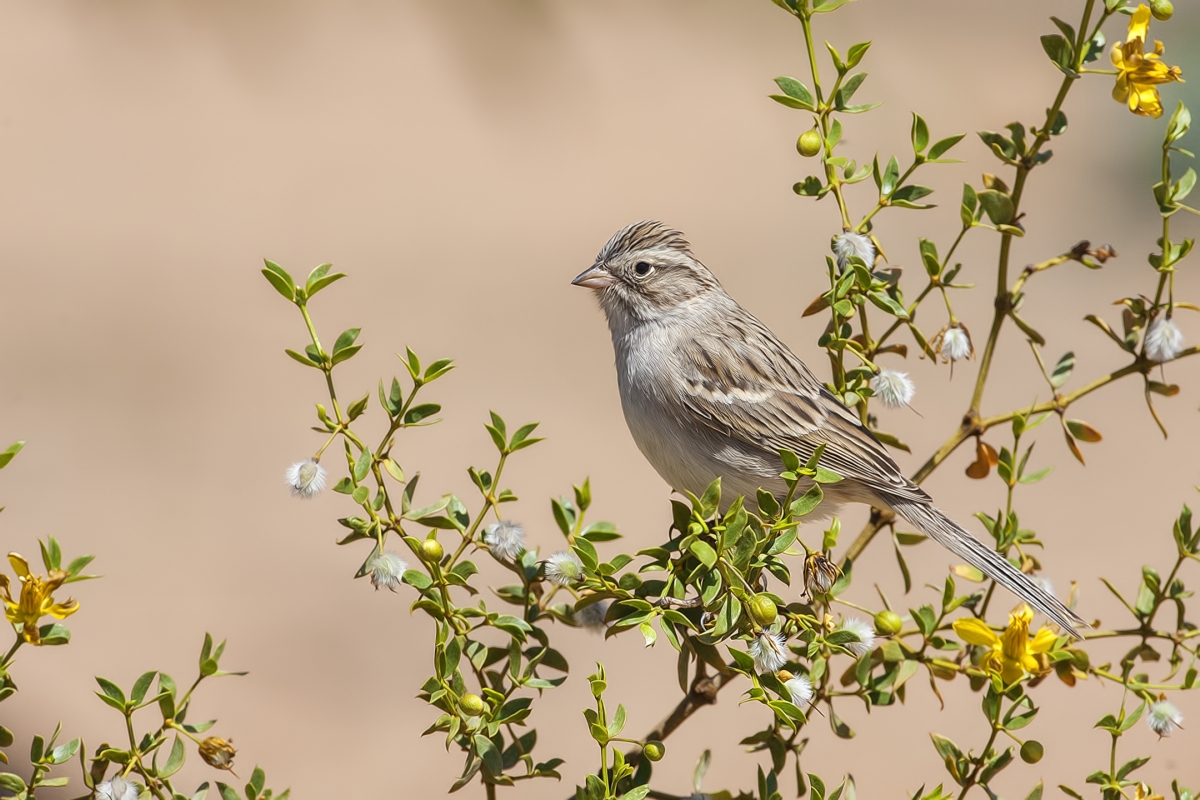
(894, 389)
(471, 704)
(763, 610)
(563, 568)
(887, 623)
(1032, 752)
(654, 751)
(1161, 9)
(809, 143)
(431, 551)
(505, 540)
(306, 478)
(819, 574)
(217, 752)
(1164, 717)
(386, 570)
(116, 788)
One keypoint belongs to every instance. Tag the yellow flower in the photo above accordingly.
(1012, 654)
(35, 600)
(1139, 72)
(1143, 793)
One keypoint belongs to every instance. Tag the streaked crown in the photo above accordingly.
(645, 235)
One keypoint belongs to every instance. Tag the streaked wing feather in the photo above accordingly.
(750, 387)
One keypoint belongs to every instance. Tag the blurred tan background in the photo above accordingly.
(462, 162)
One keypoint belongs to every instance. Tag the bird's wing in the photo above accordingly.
(747, 385)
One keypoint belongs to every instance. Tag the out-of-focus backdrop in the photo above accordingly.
(462, 162)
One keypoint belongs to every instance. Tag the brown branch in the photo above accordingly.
(703, 693)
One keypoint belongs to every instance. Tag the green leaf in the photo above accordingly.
(346, 339)
(797, 92)
(417, 579)
(941, 146)
(174, 760)
(279, 278)
(1184, 186)
(842, 100)
(703, 551)
(141, 686)
(947, 749)
(362, 466)
(617, 724)
(997, 205)
(1067, 30)
(884, 301)
(920, 134)
(855, 54)
(319, 278)
(63, 753)
(12, 782)
(890, 175)
(1062, 370)
(809, 187)
(305, 360)
(1061, 53)
(420, 412)
(808, 501)
(790, 102)
(356, 409)
(346, 354)
(1082, 431)
(1180, 122)
(258, 780)
(111, 690)
(907, 196)
(10, 453)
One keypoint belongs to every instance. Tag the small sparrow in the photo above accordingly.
(708, 391)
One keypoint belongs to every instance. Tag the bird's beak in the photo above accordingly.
(595, 277)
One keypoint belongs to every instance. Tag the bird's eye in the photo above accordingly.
(642, 268)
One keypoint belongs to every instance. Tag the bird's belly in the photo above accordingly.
(690, 457)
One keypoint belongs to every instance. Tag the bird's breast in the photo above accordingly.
(685, 451)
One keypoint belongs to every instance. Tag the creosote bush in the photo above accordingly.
(758, 598)
(754, 597)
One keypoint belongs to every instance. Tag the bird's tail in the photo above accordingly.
(949, 534)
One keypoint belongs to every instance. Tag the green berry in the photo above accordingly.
(471, 705)
(887, 623)
(431, 551)
(763, 610)
(809, 143)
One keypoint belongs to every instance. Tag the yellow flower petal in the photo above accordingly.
(1139, 23)
(975, 631)
(1043, 641)
(1145, 102)
(64, 609)
(1013, 671)
(19, 564)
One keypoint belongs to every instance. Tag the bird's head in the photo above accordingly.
(646, 271)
